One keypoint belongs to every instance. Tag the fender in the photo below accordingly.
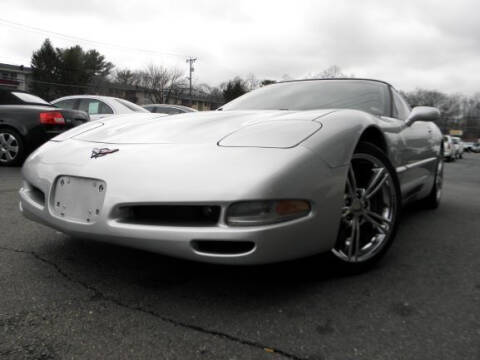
(341, 131)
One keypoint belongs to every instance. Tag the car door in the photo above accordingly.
(97, 109)
(418, 157)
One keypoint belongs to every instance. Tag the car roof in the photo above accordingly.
(99, 97)
(169, 105)
(340, 79)
(172, 106)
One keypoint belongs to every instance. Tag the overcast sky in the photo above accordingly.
(423, 43)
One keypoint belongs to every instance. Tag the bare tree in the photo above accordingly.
(211, 92)
(331, 72)
(162, 83)
(176, 84)
(252, 82)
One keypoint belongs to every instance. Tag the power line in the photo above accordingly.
(76, 38)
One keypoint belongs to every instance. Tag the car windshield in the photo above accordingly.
(131, 106)
(365, 95)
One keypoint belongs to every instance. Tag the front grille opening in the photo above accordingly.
(223, 247)
(37, 195)
(171, 215)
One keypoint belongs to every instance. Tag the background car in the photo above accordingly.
(467, 146)
(449, 151)
(168, 109)
(98, 106)
(458, 146)
(27, 121)
(476, 147)
(288, 170)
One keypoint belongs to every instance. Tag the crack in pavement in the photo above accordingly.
(98, 293)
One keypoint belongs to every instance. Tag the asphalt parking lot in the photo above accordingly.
(68, 298)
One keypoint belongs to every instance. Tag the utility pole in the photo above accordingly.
(191, 61)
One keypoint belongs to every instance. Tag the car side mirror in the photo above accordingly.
(423, 113)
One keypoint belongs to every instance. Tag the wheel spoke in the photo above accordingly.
(357, 241)
(351, 240)
(375, 223)
(378, 217)
(10, 139)
(3, 141)
(354, 240)
(379, 179)
(351, 182)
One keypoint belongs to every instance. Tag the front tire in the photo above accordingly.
(371, 210)
(11, 147)
(432, 201)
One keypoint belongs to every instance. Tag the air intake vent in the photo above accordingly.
(37, 195)
(223, 247)
(170, 215)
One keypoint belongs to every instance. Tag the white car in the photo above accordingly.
(252, 183)
(458, 145)
(98, 106)
(448, 148)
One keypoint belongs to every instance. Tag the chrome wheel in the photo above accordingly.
(9, 147)
(369, 211)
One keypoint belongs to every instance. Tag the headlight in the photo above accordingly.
(272, 134)
(251, 213)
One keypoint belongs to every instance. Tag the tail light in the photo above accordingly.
(52, 118)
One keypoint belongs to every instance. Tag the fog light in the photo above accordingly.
(251, 213)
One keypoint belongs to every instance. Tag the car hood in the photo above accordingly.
(202, 127)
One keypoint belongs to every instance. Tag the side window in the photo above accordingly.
(164, 110)
(94, 107)
(401, 110)
(66, 104)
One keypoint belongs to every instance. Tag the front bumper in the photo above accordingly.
(273, 243)
(313, 234)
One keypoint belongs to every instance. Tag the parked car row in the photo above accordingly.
(471, 146)
(454, 147)
(101, 106)
(27, 121)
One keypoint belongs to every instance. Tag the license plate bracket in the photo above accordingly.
(78, 199)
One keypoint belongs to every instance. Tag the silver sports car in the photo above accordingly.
(286, 171)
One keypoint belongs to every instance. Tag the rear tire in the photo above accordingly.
(12, 149)
(370, 211)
